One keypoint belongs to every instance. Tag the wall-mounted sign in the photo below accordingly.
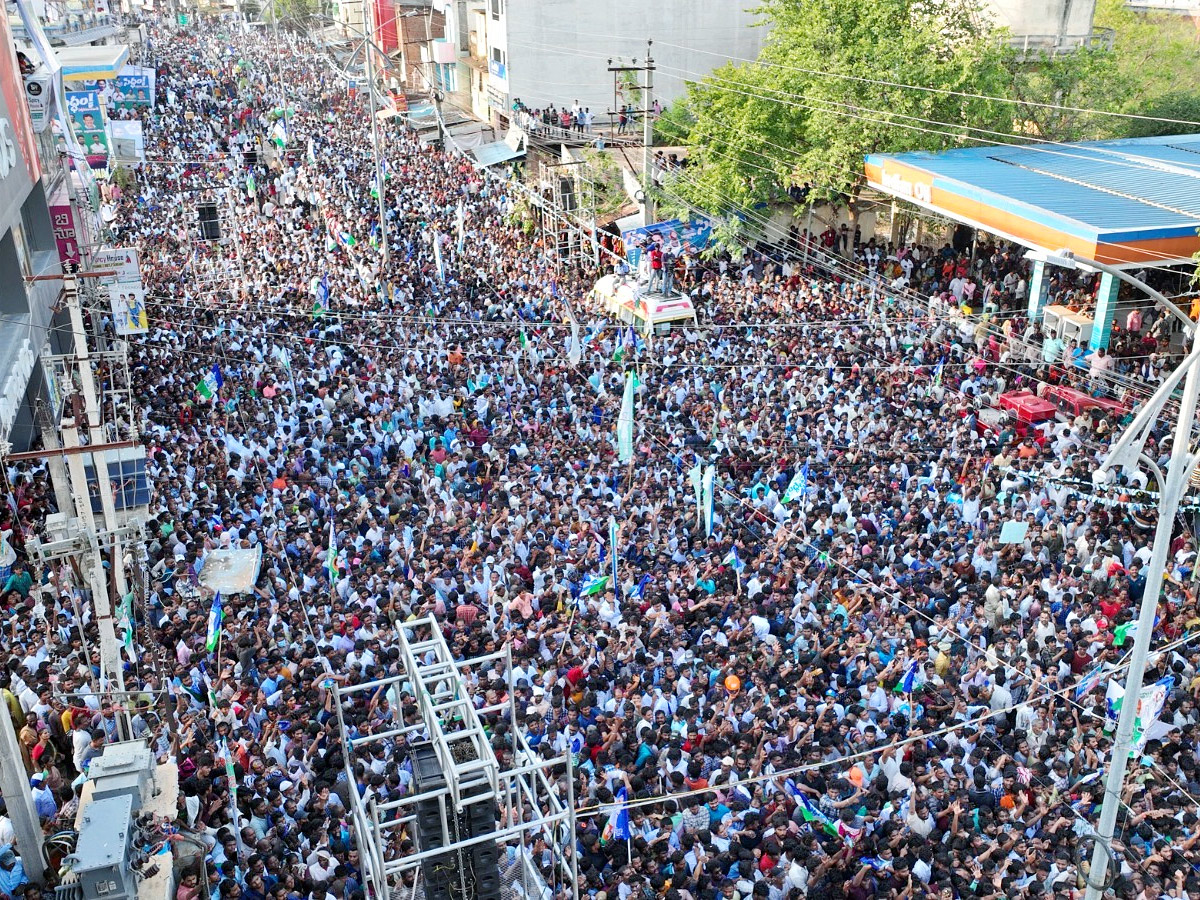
(39, 95)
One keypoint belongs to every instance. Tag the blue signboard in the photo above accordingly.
(694, 235)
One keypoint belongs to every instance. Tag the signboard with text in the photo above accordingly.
(65, 235)
(126, 294)
(134, 87)
(19, 168)
(88, 125)
(39, 95)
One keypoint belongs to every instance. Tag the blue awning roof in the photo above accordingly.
(1140, 194)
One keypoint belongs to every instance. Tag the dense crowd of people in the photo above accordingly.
(851, 688)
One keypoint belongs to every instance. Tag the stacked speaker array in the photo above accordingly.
(472, 873)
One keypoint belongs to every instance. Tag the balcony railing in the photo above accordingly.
(76, 30)
(1177, 6)
(1043, 45)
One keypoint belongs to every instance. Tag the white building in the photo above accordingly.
(557, 52)
(1049, 26)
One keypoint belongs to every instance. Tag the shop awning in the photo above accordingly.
(1128, 202)
(496, 152)
(91, 63)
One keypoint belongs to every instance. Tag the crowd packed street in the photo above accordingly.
(852, 688)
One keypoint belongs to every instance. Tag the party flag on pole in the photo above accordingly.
(696, 477)
(594, 585)
(617, 826)
(437, 256)
(612, 552)
(625, 422)
(208, 386)
(1123, 632)
(909, 681)
(331, 555)
(215, 616)
(125, 621)
(710, 474)
(321, 302)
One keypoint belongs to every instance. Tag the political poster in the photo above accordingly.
(694, 235)
(126, 293)
(88, 124)
(134, 87)
(128, 302)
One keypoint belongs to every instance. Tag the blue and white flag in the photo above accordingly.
(617, 826)
(909, 681)
(1088, 683)
(215, 616)
(639, 590)
(437, 255)
(208, 386)
(797, 489)
(734, 561)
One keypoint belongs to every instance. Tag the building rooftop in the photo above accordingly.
(1126, 202)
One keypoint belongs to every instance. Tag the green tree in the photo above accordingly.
(818, 99)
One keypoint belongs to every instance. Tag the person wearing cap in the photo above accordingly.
(12, 872)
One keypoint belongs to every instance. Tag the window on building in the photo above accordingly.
(497, 8)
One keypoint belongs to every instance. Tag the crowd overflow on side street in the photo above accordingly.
(820, 672)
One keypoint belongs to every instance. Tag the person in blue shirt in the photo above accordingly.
(12, 872)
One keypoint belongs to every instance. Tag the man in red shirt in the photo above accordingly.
(656, 266)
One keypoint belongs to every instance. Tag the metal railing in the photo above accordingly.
(76, 29)
(1042, 45)
(1179, 6)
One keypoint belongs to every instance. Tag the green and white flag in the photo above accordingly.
(625, 422)
(208, 386)
(331, 556)
(595, 584)
(1123, 632)
(125, 622)
(696, 477)
(1151, 701)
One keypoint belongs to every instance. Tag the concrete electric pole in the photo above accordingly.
(647, 111)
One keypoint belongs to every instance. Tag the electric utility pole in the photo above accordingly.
(647, 112)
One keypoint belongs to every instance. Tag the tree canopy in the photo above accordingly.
(839, 79)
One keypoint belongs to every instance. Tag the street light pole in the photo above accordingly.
(1171, 491)
(380, 193)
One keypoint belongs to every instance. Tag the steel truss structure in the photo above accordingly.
(449, 721)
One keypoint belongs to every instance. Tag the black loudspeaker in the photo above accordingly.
(210, 223)
(251, 157)
(566, 187)
(478, 866)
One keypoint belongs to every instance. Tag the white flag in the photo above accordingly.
(625, 422)
(696, 477)
(574, 350)
(709, 475)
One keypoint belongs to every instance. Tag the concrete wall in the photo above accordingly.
(1040, 17)
(558, 50)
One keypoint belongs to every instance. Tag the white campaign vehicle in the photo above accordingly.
(649, 313)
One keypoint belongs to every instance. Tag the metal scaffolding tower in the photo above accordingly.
(459, 783)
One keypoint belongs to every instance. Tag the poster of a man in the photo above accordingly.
(128, 302)
(90, 126)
